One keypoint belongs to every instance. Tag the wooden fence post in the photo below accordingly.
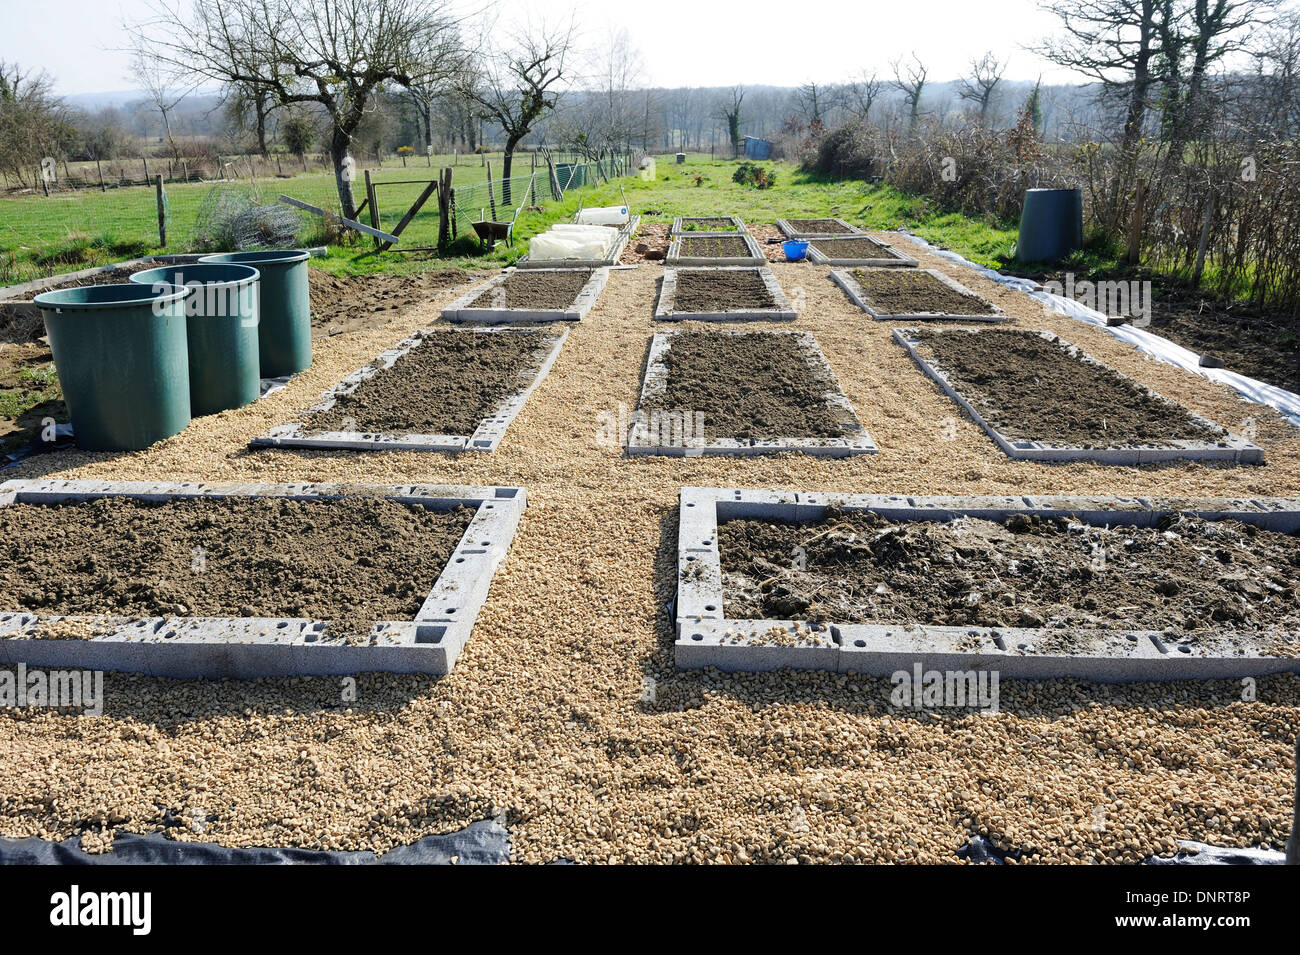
(100, 169)
(162, 212)
(1204, 242)
(373, 199)
(444, 208)
(1134, 255)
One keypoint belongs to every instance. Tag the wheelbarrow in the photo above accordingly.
(490, 233)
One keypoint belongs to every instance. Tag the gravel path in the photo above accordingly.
(544, 718)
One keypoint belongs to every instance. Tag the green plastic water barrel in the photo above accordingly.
(284, 331)
(1051, 224)
(221, 323)
(123, 362)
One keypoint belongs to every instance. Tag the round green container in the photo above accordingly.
(284, 334)
(123, 362)
(221, 324)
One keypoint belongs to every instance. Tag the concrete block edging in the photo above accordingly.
(244, 648)
(856, 441)
(1230, 448)
(486, 437)
(780, 311)
(462, 311)
(706, 638)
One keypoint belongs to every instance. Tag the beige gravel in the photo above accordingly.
(544, 718)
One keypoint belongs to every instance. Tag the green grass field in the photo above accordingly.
(42, 236)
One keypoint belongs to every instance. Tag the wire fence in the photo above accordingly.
(40, 234)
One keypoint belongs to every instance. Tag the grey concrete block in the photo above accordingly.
(679, 226)
(219, 647)
(791, 229)
(853, 289)
(1230, 447)
(855, 440)
(462, 311)
(676, 257)
(821, 251)
(489, 433)
(707, 638)
(780, 311)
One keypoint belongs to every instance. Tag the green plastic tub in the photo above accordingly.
(221, 324)
(284, 333)
(123, 362)
(1051, 225)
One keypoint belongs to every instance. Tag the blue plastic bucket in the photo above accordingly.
(795, 250)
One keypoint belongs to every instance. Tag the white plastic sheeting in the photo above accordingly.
(1287, 402)
(569, 241)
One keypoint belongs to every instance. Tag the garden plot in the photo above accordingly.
(707, 225)
(1042, 399)
(855, 250)
(611, 257)
(809, 228)
(908, 295)
(739, 249)
(537, 295)
(742, 393)
(246, 580)
(722, 295)
(1110, 589)
(436, 391)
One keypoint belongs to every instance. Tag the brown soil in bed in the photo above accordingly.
(749, 386)
(535, 290)
(352, 561)
(862, 248)
(720, 290)
(716, 247)
(346, 303)
(914, 292)
(706, 224)
(819, 226)
(1030, 388)
(446, 385)
(1189, 576)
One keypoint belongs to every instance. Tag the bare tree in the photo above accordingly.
(909, 79)
(813, 101)
(31, 121)
(337, 53)
(1273, 99)
(982, 83)
(517, 87)
(156, 80)
(1195, 35)
(1117, 43)
(861, 95)
(731, 114)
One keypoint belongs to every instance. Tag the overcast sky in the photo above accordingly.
(682, 42)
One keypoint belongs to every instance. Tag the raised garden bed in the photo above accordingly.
(721, 295)
(808, 228)
(707, 225)
(247, 580)
(538, 295)
(740, 249)
(855, 250)
(435, 391)
(743, 393)
(907, 295)
(1111, 589)
(616, 252)
(1043, 399)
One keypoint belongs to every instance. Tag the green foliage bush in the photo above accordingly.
(749, 174)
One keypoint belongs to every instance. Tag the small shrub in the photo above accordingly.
(750, 174)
